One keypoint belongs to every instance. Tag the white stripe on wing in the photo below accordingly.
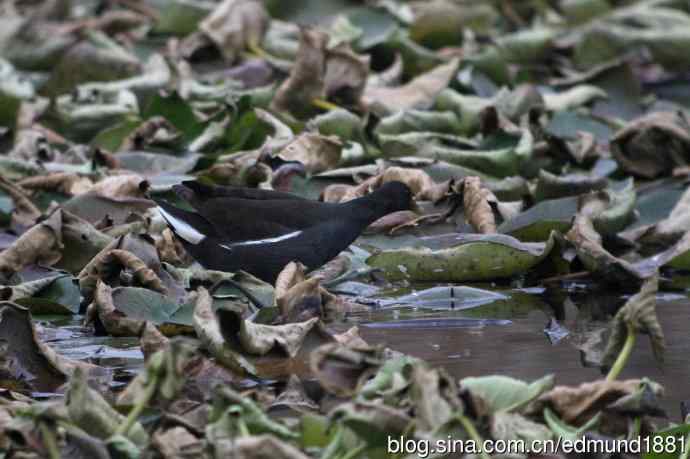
(182, 228)
(270, 240)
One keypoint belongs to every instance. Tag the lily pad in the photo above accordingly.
(484, 257)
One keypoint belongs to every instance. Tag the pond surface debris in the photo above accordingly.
(528, 284)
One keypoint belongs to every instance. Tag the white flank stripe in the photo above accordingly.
(182, 228)
(263, 241)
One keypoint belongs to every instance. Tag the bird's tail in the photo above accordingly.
(188, 226)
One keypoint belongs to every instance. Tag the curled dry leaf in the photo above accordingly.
(318, 153)
(258, 446)
(346, 75)
(420, 92)
(306, 80)
(478, 212)
(653, 145)
(209, 333)
(637, 315)
(25, 212)
(28, 362)
(435, 397)
(421, 184)
(109, 263)
(41, 245)
(115, 322)
(235, 25)
(62, 182)
(176, 442)
(595, 258)
(577, 405)
(121, 187)
(343, 370)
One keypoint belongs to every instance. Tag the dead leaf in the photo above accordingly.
(653, 144)
(235, 25)
(346, 75)
(62, 182)
(318, 153)
(577, 405)
(41, 245)
(638, 315)
(121, 187)
(25, 213)
(477, 209)
(306, 81)
(418, 93)
(343, 370)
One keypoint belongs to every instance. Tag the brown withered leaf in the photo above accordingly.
(115, 322)
(235, 25)
(257, 447)
(638, 315)
(61, 182)
(306, 81)
(208, 330)
(25, 213)
(435, 397)
(27, 361)
(121, 187)
(170, 249)
(41, 245)
(151, 340)
(299, 298)
(418, 93)
(577, 405)
(346, 75)
(177, 442)
(316, 152)
(669, 230)
(342, 370)
(422, 185)
(589, 247)
(653, 144)
(107, 265)
(477, 209)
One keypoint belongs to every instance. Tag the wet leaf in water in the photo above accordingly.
(474, 258)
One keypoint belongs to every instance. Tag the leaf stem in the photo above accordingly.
(622, 358)
(134, 413)
(474, 435)
(354, 452)
(50, 441)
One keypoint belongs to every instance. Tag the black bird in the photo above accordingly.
(261, 231)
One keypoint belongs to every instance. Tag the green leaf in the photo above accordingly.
(477, 257)
(505, 394)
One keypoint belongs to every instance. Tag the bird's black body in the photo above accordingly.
(260, 231)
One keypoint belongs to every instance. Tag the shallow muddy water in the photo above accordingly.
(522, 350)
(469, 333)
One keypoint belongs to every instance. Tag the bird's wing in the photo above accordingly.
(203, 191)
